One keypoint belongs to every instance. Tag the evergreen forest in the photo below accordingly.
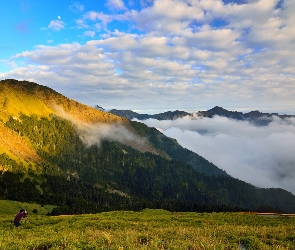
(113, 175)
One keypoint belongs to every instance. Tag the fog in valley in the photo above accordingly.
(261, 155)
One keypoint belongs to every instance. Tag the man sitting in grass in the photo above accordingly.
(21, 214)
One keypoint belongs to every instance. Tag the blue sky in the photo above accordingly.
(151, 56)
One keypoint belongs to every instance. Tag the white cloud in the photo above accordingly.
(157, 19)
(93, 16)
(66, 60)
(76, 7)
(105, 19)
(56, 25)
(81, 24)
(116, 4)
(262, 156)
(89, 33)
(200, 53)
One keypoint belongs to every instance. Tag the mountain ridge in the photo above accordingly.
(256, 117)
(86, 160)
(48, 99)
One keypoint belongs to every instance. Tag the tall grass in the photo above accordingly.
(149, 229)
(10, 208)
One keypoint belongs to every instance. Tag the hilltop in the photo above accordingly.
(54, 150)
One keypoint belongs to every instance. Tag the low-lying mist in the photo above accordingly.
(94, 134)
(263, 156)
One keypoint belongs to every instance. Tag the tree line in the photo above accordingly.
(113, 176)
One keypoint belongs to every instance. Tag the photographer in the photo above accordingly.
(22, 214)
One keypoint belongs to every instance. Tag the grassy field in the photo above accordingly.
(148, 229)
(10, 208)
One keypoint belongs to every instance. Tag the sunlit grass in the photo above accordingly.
(10, 208)
(149, 229)
(15, 102)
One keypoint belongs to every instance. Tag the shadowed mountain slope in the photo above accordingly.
(54, 150)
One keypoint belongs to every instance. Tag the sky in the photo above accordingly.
(152, 56)
(260, 155)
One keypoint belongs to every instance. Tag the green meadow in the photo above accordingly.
(147, 229)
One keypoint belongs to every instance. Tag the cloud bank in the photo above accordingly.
(199, 54)
(263, 156)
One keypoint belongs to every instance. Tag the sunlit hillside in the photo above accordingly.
(54, 150)
(22, 97)
(33, 99)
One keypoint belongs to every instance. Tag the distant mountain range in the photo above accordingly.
(169, 115)
(255, 117)
(54, 150)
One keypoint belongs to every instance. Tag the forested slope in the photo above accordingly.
(54, 165)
